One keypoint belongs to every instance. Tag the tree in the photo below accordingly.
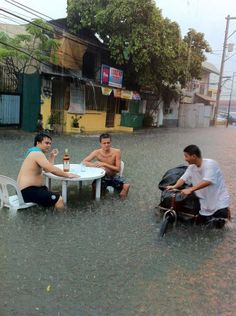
(148, 47)
(28, 49)
(196, 48)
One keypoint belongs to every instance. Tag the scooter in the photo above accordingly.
(176, 207)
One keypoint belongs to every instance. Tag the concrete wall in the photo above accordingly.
(170, 117)
(194, 115)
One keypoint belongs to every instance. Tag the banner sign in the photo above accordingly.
(126, 94)
(106, 91)
(117, 93)
(115, 77)
(111, 76)
(105, 74)
(136, 96)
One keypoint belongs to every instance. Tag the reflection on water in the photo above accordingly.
(105, 258)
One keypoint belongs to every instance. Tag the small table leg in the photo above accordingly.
(98, 189)
(64, 191)
(80, 185)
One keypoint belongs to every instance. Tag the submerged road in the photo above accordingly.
(105, 258)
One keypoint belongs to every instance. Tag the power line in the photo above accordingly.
(67, 56)
(20, 5)
(59, 31)
(31, 10)
(22, 51)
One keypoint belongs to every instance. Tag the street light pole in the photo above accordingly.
(228, 18)
(230, 98)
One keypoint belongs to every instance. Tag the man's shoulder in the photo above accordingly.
(191, 168)
(96, 151)
(209, 162)
(115, 150)
(35, 156)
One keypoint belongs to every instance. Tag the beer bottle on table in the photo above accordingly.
(66, 161)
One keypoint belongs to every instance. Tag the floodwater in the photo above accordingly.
(105, 257)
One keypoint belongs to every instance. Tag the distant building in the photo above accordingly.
(199, 98)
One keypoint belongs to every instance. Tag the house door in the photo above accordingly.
(9, 109)
(58, 102)
(111, 111)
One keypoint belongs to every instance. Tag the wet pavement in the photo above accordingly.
(105, 257)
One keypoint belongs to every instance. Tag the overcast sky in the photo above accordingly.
(207, 16)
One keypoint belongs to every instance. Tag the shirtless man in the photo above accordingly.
(108, 158)
(30, 177)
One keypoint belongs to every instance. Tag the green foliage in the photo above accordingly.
(54, 118)
(148, 47)
(196, 48)
(28, 49)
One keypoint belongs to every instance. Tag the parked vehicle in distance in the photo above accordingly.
(232, 118)
(221, 118)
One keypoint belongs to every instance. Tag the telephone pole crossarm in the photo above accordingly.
(228, 18)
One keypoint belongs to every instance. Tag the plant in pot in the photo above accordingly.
(75, 121)
(54, 121)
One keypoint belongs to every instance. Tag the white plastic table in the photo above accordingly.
(88, 173)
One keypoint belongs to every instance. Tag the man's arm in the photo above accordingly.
(42, 161)
(53, 155)
(196, 187)
(111, 167)
(88, 161)
(177, 185)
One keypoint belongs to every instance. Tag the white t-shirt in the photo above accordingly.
(213, 197)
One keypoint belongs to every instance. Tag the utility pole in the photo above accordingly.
(228, 18)
(230, 98)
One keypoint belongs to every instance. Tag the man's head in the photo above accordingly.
(192, 154)
(105, 141)
(43, 141)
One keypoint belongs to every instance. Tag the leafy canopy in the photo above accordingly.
(25, 50)
(148, 47)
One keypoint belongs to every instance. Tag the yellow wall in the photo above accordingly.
(91, 121)
(46, 111)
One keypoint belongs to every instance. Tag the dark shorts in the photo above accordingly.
(40, 195)
(222, 213)
(116, 182)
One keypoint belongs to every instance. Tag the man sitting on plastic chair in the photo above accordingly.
(30, 177)
(108, 158)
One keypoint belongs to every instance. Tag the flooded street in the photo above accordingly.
(105, 257)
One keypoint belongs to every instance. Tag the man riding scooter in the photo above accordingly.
(208, 184)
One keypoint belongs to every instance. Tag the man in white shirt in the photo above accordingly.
(208, 184)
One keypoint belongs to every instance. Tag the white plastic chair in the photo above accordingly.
(15, 201)
(122, 165)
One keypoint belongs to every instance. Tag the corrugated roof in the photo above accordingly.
(210, 67)
(205, 97)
